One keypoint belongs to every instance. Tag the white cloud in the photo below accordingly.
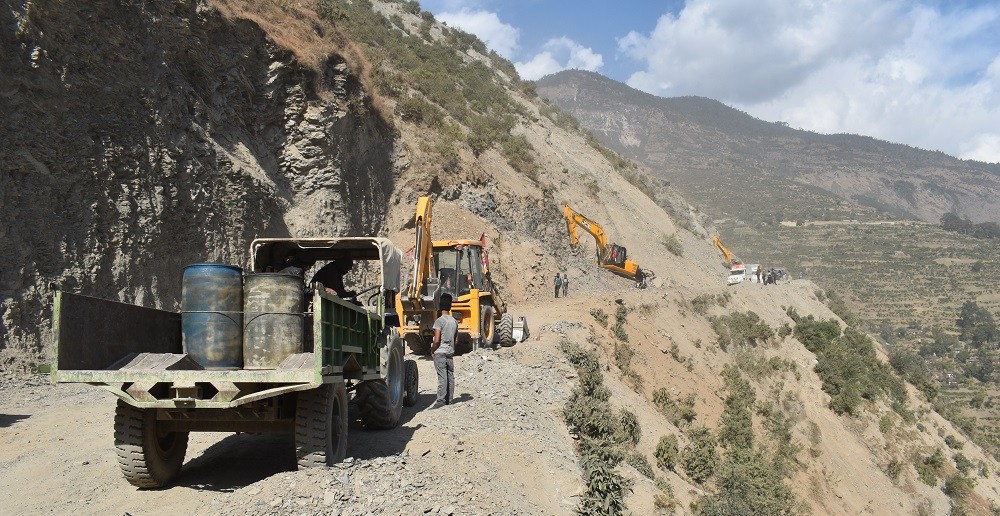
(982, 147)
(498, 36)
(887, 69)
(559, 54)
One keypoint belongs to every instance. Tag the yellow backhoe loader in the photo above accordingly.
(459, 268)
(609, 256)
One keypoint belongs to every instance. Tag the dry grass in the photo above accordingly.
(295, 26)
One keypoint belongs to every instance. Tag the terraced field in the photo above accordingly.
(895, 272)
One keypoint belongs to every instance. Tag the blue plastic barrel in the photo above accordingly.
(212, 315)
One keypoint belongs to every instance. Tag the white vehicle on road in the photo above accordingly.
(737, 274)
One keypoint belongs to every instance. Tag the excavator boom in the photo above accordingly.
(610, 257)
(725, 252)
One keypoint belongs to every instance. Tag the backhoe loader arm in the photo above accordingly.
(573, 219)
(423, 250)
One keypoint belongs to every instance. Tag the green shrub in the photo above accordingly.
(736, 423)
(953, 443)
(851, 372)
(962, 463)
(630, 430)
(665, 500)
(520, 156)
(623, 356)
(600, 316)
(929, 468)
(621, 317)
(699, 458)
(667, 453)
(675, 410)
(913, 369)
(739, 329)
(641, 464)
(893, 469)
(816, 334)
(885, 424)
(605, 494)
(747, 484)
(701, 303)
(958, 487)
(417, 110)
(673, 244)
(602, 435)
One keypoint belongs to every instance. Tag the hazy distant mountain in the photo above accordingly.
(707, 149)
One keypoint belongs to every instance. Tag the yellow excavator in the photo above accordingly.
(609, 256)
(459, 268)
(726, 253)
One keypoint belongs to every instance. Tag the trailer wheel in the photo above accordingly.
(505, 330)
(321, 426)
(381, 401)
(412, 383)
(148, 457)
(487, 326)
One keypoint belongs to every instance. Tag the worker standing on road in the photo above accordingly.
(565, 284)
(758, 274)
(558, 285)
(443, 351)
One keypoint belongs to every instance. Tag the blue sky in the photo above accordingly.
(924, 73)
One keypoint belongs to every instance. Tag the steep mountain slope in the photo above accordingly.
(772, 193)
(709, 150)
(661, 341)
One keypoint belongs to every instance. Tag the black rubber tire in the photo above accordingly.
(487, 326)
(418, 345)
(505, 331)
(321, 426)
(147, 459)
(381, 401)
(412, 383)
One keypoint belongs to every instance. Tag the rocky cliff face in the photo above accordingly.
(169, 131)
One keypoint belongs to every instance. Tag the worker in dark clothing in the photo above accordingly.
(293, 266)
(332, 275)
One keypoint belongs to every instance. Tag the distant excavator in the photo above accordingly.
(609, 256)
(726, 253)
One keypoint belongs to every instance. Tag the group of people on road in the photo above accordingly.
(768, 278)
(562, 284)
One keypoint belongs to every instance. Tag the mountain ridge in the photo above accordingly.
(690, 136)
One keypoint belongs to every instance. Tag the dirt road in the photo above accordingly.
(502, 448)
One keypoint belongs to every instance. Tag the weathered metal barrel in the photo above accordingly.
(272, 306)
(211, 318)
